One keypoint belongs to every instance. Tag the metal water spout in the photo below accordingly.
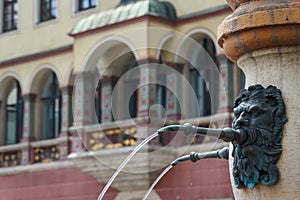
(255, 135)
(194, 157)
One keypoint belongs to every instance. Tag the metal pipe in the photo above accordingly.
(226, 134)
(189, 129)
(193, 156)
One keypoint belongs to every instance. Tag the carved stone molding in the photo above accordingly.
(256, 25)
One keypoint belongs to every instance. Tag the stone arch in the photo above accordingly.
(101, 47)
(69, 77)
(37, 77)
(37, 82)
(203, 62)
(5, 82)
(195, 34)
(163, 46)
(108, 59)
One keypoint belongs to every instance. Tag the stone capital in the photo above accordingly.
(261, 24)
(29, 97)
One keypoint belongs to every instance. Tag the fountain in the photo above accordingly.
(262, 37)
(255, 137)
(222, 153)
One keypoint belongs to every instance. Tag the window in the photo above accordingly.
(118, 102)
(9, 15)
(46, 10)
(81, 5)
(129, 85)
(199, 84)
(51, 108)
(14, 115)
(161, 90)
(202, 94)
(98, 102)
(86, 4)
(161, 97)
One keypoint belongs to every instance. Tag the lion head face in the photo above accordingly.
(259, 116)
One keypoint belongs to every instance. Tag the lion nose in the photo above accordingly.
(242, 121)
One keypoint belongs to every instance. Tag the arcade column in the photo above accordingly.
(28, 128)
(262, 37)
(66, 121)
(83, 109)
(107, 85)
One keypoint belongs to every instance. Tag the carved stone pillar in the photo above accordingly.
(107, 85)
(226, 89)
(147, 98)
(65, 120)
(226, 85)
(28, 128)
(83, 108)
(174, 93)
(263, 38)
(147, 89)
(66, 110)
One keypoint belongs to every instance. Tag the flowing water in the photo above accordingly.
(120, 168)
(156, 181)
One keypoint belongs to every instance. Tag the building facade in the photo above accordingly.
(82, 82)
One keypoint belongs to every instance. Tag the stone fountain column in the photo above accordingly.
(263, 38)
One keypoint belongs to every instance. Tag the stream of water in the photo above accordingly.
(156, 181)
(120, 168)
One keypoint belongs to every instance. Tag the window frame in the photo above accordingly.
(52, 11)
(98, 101)
(77, 9)
(90, 6)
(17, 109)
(13, 16)
(199, 85)
(55, 100)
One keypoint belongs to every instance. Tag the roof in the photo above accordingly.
(123, 12)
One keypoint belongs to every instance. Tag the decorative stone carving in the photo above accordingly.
(259, 119)
(256, 134)
(259, 24)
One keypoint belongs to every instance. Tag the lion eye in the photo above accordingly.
(256, 111)
(237, 113)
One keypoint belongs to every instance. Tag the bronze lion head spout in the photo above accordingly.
(259, 118)
(256, 134)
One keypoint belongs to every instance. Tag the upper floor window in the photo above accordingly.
(86, 4)
(46, 10)
(81, 5)
(9, 15)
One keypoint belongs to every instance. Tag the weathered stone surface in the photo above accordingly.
(262, 36)
(279, 67)
(256, 25)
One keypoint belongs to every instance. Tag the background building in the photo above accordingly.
(62, 63)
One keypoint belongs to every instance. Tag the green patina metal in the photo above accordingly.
(256, 134)
(126, 10)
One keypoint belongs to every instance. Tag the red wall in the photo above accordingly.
(60, 184)
(194, 181)
(186, 181)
